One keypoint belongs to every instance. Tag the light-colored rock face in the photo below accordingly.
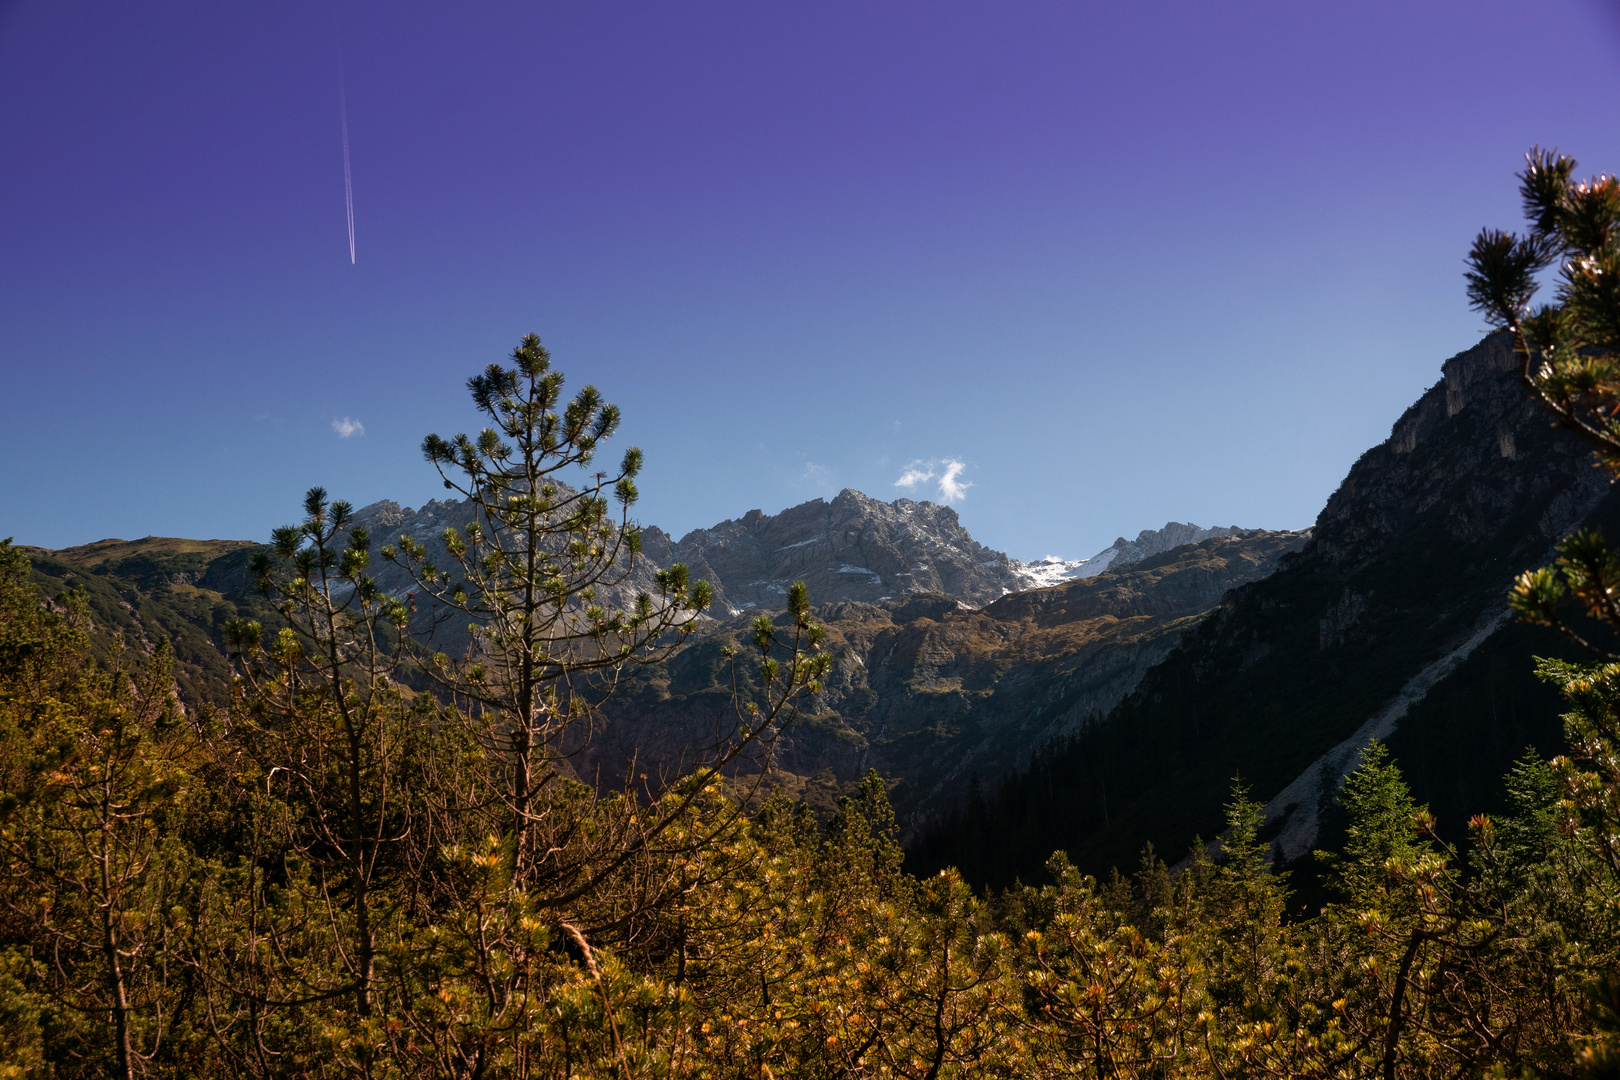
(852, 548)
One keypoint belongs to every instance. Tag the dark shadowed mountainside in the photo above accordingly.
(1371, 630)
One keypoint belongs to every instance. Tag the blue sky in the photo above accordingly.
(1123, 263)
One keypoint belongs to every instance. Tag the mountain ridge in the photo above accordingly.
(852, 547)
(1149, 542)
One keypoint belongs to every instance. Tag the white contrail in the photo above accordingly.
(348, 184)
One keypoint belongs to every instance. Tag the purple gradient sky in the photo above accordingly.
(1127, 262)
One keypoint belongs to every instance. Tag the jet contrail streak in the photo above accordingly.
(348, 184)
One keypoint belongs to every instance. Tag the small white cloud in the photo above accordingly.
(947, 471)
(951, 487)
(347, 427)
(918, 472)
(801, 474)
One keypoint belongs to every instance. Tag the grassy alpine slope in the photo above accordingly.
(141, 591)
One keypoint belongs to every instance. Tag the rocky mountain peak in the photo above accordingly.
(1460, 447)
(854, 547)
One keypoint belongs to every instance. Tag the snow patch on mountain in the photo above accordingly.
(1052, 570)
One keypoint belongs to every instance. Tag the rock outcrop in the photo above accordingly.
(853, 548)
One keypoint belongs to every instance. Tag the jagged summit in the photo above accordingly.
(854, 547)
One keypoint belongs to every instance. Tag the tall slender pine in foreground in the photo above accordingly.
(537, 567)
(533, 565)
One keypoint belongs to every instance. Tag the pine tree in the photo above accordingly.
(536, 568)
(1383, 825)
(535, 565)
(542, 864)
(320, 716)
(1567, 349)
(1568, 360)
(95, 765)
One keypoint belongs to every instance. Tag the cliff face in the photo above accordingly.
(1404, 576)
(930, 693)
(1464, 465)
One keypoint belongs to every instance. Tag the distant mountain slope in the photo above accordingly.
(948, 666)
(928, 693)
(852, 548)
(142, 590)
(1407, 568)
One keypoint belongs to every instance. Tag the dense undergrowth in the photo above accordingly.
(172, 907)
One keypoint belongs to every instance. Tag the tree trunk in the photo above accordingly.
(109, 946)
